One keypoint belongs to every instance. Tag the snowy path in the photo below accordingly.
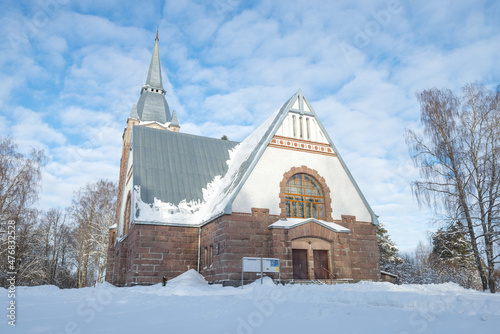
(188, 305)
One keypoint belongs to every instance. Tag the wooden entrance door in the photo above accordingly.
(320, 264)
(299, 259)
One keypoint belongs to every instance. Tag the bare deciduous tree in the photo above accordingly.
(92, 212)
(20, 177)
(459, 160)
(54, 242)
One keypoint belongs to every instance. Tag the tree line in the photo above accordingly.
(447, 257)
(63, 247)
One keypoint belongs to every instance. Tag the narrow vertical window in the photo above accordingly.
(126, 218)
(294, 128)
(308, 131)
(300, 124)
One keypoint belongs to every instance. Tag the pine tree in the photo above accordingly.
(452, 258)
(387, 248)
(452, 246)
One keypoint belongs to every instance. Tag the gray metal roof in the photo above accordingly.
(133, 113)
(153, 106)
(173, 166)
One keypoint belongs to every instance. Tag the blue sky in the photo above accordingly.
(71, 70)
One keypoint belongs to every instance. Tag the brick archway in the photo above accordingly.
(318, 252)
(319, 178)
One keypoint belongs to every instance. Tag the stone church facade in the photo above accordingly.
(193, 202)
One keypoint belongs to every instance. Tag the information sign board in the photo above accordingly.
(251, 264)
(260, 265)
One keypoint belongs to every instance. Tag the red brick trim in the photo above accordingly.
(314, 173)
(295, 144)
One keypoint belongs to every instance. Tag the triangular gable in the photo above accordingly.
(250, 151)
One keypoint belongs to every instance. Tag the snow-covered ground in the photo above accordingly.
(187, 304)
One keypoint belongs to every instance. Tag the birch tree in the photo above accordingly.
(458, 155)
(54, 244)
(20, 177)
(92, 212)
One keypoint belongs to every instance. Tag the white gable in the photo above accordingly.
(303, 127)
(296, 138)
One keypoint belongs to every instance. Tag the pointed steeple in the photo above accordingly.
(154, 73)
(174, 123)
(152, 105)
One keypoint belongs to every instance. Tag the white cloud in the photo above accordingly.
(30, 130)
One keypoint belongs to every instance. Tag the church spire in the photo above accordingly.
(154, 73)
(152, 105)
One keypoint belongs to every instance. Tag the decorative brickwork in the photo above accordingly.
(319, 178)
(295, 144)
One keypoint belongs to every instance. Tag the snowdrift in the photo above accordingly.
(188, 304)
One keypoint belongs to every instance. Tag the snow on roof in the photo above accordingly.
(163, 125)
(239, 163)
(289, 223)
(388, 273)
(185, 213)
(173, 167)
(217, 194)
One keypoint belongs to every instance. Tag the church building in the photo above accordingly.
(193, 202)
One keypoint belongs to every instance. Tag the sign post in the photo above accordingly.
(260, 264)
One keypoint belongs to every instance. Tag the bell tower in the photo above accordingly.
(151, 110)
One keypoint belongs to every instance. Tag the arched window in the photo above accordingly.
(304, 197)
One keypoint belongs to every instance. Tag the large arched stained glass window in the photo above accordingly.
(304, 197)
